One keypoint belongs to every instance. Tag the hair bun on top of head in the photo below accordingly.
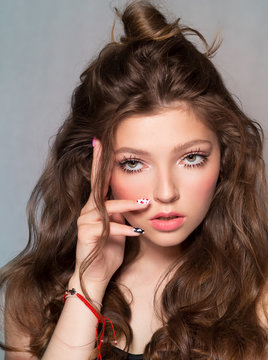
(143, 21)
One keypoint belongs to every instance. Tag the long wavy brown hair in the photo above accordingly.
(209, 305)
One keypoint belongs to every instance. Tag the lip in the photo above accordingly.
(167, 225)
(165, 214)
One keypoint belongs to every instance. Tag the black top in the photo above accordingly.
(129, 356)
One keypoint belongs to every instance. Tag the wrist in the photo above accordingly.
(95, 290)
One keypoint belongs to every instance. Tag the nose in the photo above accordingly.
(166, 188)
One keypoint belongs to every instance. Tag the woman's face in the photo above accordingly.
(173, 159)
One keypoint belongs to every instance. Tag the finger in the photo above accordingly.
(109, 172)
(97, 150)
(108, 180)
(113, 207)
(119, 229)
(125, 205)
(89, 234)
(118, 218)
(95, 167)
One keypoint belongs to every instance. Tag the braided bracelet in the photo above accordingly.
(73, 293)
(101, 319)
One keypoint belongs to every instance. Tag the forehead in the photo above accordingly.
(167, 127)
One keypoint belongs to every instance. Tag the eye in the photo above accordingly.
(131, 165)
(192, 160)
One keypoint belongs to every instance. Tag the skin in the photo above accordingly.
(170, 186)
(172, 183)
(170, 180)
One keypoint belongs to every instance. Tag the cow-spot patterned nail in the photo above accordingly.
(138, 230)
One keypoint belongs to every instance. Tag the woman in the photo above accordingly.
(152, 204)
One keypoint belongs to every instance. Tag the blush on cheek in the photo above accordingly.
(122, 192)
(207, 186)
(203, 186)
(123, 188)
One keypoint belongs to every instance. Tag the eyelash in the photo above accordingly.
(126, 160)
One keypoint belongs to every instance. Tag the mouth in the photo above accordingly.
(167, 215)
(167, 221)
(167, 218)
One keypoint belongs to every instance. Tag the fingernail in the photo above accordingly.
(94, 141)
(138, 230)
(143, 201)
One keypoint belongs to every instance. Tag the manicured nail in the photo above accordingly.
(143, 201)
(138, 230)
(94, 141)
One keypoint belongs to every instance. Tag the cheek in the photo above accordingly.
(202, 187)
(126, 186)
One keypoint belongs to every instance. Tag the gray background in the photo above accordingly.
(45, 45)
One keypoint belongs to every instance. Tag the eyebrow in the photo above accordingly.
(176, 149)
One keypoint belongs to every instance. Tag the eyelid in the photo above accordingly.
(195, 152)
(198, 152)
(190, 152)
(132, 157)
(122, 164)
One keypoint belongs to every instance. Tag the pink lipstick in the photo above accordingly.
(167, 221)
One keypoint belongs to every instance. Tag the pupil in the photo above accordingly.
(192, 157)
(132, 163)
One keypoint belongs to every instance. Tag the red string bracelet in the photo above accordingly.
(101, 319)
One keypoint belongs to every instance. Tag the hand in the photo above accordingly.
(90, 228)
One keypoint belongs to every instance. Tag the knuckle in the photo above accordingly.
(79, 221)
(86, 217)
(82, 231)
(88, 232)
(83, 210)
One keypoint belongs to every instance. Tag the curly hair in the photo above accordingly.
(208, 307)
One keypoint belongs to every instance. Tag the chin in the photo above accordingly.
(165, 239)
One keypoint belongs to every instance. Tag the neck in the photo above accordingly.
(144, 274)
(153, 257)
